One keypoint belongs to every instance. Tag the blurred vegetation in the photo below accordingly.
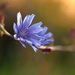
(16, 60)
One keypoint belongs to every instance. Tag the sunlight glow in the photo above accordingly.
(68, 7)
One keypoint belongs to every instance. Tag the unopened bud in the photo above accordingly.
(3, 6)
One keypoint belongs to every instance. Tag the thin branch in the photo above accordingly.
(70, 48)
(4, 30)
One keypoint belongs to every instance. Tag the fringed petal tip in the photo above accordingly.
(23, 44)
(19, 19)
(35, 28)
(28, 20)
(34, 48)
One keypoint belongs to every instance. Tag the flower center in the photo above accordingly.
(22, 32)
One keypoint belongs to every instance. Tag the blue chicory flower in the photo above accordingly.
(34, 35)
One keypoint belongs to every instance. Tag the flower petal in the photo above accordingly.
(34, 48)
(35, 42)
(19, 19)
(46, 39)
(15, 28)
(30, 43)
(43, 31)
(22, 43)
(51, 40)
(35, 28)
(32, 35)
(22, 39)
(48, 35)
(43, 42)
(28, 20)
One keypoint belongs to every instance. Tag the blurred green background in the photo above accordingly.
(16, 60)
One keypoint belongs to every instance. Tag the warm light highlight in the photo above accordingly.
(68, 7)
